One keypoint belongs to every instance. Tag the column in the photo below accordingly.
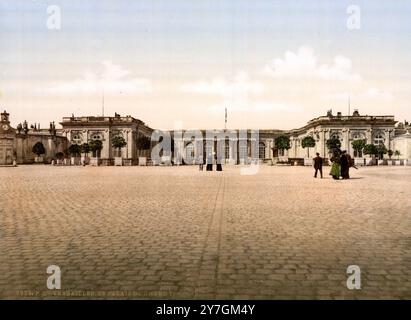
(368, 136)
(346, 138)
(321, 143)
(106, 151)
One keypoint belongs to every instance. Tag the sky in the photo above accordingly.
(272, 64)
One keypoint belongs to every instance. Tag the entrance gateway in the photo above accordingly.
(6, 152)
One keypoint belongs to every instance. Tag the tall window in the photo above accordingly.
(356, 136)
(261, 150)
(76, 139)
(227, 150)
(208, 153)
(189, 158)
(96, 137)
(243, 151)
(378, 139)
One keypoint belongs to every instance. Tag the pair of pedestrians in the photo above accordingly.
(341, 163)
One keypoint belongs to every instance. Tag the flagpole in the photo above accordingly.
(225, 122)
(103, 103)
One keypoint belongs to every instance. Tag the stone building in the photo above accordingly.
(373, 129)
(236, 145)
(17, 144)
(79, 130)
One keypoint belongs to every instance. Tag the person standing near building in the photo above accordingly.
(345, 167)
(351, 164)
(336, 168)
(318, 165)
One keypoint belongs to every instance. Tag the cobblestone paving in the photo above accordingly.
(176, 232)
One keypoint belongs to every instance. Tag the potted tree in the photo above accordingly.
(85, 149)
(372, 151)
(308, 142)
(66, 159)
(282, 143)
(390, 154)
(118, 143)
(397, 153)
(358, 146)
(95, 148)
(333, 144)
(60, 158)
(38, 150)
(381, 151)
(142, 143)
(74, 150)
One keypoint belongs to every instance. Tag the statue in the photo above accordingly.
(25, 127)
(5, 116)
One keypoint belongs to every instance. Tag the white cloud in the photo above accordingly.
(375, 93)
(303, 65)
(113, 79)
(239, 86)
(370, 93)
(238, 95)
(254, 106)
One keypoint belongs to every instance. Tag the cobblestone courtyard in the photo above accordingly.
(176, 232)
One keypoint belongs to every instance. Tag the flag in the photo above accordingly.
(226, 116)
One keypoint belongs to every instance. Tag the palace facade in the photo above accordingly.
(16, 144)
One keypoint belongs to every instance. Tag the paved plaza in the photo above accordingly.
(176, 232)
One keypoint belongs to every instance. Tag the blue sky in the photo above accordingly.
(163, 51)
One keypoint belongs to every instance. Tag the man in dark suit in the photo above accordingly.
(345, 165)
(318, 165)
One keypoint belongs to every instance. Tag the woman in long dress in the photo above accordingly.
(336, 167)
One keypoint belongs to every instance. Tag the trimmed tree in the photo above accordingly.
(118, 143)
(358, 145)
(382, 149)
(333, 143)
(60, 155)
(397, 153)
(390, 153)
(95, 147)
(85, 148)
(38, 149)
(371, 150)
(74, 150)
(308, 142)
(282, 143)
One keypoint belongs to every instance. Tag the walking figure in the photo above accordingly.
(318, 165)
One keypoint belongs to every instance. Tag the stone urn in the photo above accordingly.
(118, 161)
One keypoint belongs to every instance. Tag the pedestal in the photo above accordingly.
(118, 161)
